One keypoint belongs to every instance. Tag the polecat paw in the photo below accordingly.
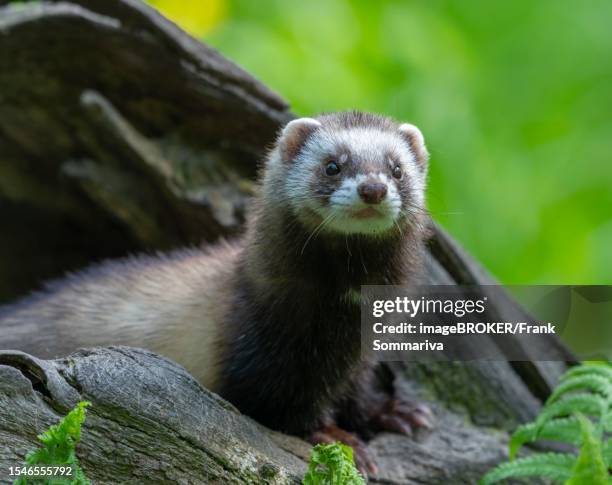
(332, 434)
(403, 417)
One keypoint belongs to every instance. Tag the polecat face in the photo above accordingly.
(353, 173)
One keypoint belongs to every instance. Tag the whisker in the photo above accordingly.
(398, 227)
(348, 250)
(318, 228)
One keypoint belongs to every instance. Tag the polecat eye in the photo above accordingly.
(397, 172)
(332, 168)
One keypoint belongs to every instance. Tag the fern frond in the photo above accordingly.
(606, 452)
(603, 370)
(590, 467)
(332, 464)
(564, 430)
(553, 466)
(607, 423)
(591, 382)
(58, 448)
(598, 367)
(588, 404)
(584, 393)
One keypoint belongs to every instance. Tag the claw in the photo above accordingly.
(402, 417)
(395, 424)
(417, 417)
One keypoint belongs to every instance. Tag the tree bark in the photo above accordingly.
(151, 422)
(120, 133)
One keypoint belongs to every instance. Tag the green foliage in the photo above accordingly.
(579, 413)
(554, 466)
(590, 467)
(59, 443)
(332, 465)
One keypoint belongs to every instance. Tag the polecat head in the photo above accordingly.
(350, 173)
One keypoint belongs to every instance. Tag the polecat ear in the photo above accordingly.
(294, 135)
(415, 139)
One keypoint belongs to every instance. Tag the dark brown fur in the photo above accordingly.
(295, 337)
(286, 331)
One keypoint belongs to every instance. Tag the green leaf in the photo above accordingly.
(564, 419)
(607, 423)
(565, 430)
(553, 466)
(59, 443)
(590, 467)
(606, 452)
(588, 404)
(592, 382)
(332, 464)
(603, 370)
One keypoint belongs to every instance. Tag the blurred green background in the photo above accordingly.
(514, 99)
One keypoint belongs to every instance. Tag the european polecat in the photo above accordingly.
(271, 322)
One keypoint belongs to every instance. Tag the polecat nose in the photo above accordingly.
(372, 192)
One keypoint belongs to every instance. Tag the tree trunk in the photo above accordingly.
(120, 133)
